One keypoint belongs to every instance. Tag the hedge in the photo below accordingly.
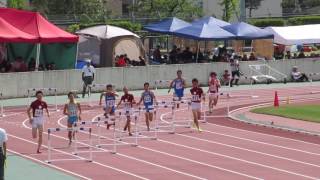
(267, 22)
(304, 20)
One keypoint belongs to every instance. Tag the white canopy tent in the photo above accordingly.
(102, 43)
(291, 35)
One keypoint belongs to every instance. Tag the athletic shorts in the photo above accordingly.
(178, 93)
(113, 109)
(37, 122)
(149, 108)
(128, 111)
(72, 119)
(213, 95)
(195, 106)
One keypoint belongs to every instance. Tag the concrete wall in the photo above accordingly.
(16, 84)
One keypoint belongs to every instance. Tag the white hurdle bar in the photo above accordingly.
(34, 90)
(310, 76)
(1, 106)
(117, 137)
(75, 146)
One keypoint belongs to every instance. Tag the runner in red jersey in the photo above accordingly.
(197, 94)
(128, 101)
(214, 85)
(36, 118)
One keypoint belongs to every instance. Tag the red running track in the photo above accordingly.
(226, 149)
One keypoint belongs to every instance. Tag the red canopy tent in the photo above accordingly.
(9, 33)
(34, 24)
(35, 29)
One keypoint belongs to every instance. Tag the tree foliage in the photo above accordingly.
(186, 9)
(230, 7)
(18, 4)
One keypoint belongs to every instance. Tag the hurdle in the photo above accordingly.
(117, 137)
(311, 75)
(75, 146)
(32, 91)
(1, 106)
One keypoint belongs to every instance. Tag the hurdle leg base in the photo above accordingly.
(171, 132)
(154, 138)
(113, 152)
(134, 145)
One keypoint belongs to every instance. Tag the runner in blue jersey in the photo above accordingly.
(73, 111)
(148, 99)
(110, 101)
(178, 85)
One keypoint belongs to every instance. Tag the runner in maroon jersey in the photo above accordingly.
(196, 93)
(128, 101)
(36, 118)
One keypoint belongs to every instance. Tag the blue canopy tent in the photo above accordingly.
(167, 26)
(244, 31)
(204, 32)
(210, 20)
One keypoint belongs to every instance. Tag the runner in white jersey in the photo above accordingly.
(128, 101)
(213, 91)
(73, 111)
(36, 118)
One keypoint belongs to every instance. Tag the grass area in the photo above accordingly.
(299, 112)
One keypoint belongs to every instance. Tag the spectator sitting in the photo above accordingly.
(245, 58)
(19, 65)
(288, 55)
(173, 55)
(301, 54)
(32, 64)
(50, 66)
(252, 57)
(121, 62)
(4, 66)
(142, 61)
(298, 76)
(128, 61)
(226, 77)
(187, 55)
(157, 54)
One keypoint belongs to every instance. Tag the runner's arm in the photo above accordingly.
(170, 86)
(80, 111)
(184, 83)
(29, 113)
(119, 103)
(48, 114)
(101, 96)
(65, 110)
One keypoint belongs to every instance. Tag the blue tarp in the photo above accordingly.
(204, 32)
(210, 21)
(167, 26)
(244, 31)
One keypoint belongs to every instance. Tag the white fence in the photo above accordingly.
(16, 84)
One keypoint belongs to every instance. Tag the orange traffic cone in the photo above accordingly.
(276, 100)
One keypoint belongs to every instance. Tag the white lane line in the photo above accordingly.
(249, 150)
(178, 157)
(63, 152)
(255, 141)
(136, 159)
(234, 158)
(49, 165)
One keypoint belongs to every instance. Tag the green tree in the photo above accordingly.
(168, 8)
(230, 7)
(18, 4)
(252, 5)
(40, 6)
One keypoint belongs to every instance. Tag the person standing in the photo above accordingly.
(235, 71)
(3, 151)
(88, 72)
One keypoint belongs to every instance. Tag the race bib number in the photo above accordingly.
(195, 98)
(127, 105)
(179, 85)
(110, 103)
(38, 113)
(147, 99)
(73, 112)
